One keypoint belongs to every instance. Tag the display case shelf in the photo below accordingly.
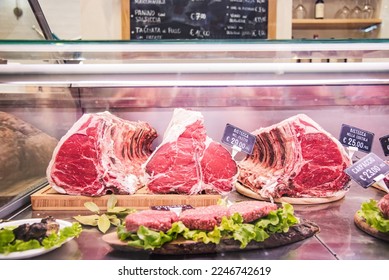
(334, 23)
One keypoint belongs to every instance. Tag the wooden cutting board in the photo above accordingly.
(48, 199)
(292, 200)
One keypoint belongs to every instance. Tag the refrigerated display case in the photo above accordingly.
(48, 86)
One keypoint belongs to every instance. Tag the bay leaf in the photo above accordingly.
(114, 220)
(90, 220)
(103, 223)
(117, 209)
(112, 200)
(91, 206)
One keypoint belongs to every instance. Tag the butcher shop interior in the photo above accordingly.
(266, 139)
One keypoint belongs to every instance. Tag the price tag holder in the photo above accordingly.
(351, 136)
(238, 139)
(368, 170)
(384, 140)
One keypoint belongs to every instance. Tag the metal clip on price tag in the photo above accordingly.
(379, 180)
(235, 150)
(351, 151)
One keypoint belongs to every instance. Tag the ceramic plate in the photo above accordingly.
(33, 252)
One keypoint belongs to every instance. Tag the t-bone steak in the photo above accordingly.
(101, 154)
(295, 158)
(188, 161)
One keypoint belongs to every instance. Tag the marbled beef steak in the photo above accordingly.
(188, 161)
(295, 158)
(101, 154)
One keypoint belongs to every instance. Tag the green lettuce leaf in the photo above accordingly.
(373, 216)
(177, 229)
(144, 238)
(6, 237)
(279, 220)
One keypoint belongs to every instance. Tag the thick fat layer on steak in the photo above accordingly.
(295, 158)
(152, 219)
(101, 154)
(383, 205)
(252, 210)
(204, 218)
(188, 161)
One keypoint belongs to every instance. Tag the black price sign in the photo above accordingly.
(355, 137)
(367, 169)
(384, 140)
(238, 139)
(200, 19)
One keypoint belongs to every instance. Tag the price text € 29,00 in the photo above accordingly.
(238, 139)
(236, 142)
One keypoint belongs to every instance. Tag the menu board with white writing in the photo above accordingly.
(198, 19)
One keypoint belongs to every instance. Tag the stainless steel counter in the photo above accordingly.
(339, 238)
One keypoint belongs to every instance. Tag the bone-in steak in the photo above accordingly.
(295, 158)
(188, 161)
(101, 154)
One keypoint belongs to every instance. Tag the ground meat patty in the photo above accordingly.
(152, 219)
(252, 210)
(204, 218)
(383, 204)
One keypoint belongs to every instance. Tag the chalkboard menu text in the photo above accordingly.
(198, 19)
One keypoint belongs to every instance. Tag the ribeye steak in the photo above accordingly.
(101, 154)
(188, 161)
(295, 158)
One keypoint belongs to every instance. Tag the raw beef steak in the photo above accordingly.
(152, 219)
(101, 154)
(204, 218)
(252, 210)
(295, 158)
(188, 161)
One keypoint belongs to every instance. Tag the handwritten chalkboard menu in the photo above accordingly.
(198, 19)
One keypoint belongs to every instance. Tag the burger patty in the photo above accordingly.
(204, 218)
(383, 204)
(152, 219)
(252, 210)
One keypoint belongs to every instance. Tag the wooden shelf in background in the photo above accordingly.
(334, 23)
